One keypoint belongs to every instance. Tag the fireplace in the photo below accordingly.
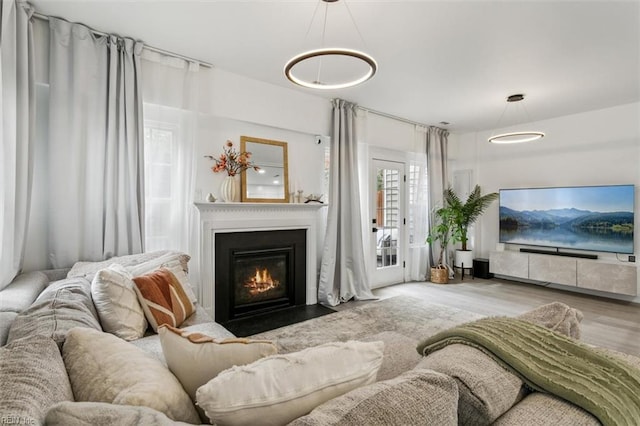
(259, 271)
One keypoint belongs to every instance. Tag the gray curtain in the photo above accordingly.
(438, 177)
(17, 96)
(95, 152)
(343, 273)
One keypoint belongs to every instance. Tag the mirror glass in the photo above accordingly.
(268, 184)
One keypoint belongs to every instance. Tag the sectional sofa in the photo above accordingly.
(63, 363)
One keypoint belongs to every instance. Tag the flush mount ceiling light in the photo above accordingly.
(342, 67)
(515, 137)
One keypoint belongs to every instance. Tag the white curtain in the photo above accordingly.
(418, 253)
(438, 176)
(96, 161)
(342, 272)
(171, 94)
(17, 96)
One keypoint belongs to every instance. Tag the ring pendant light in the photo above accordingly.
(330, 52)
(515, 137)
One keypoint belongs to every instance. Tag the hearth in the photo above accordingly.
(258, 272)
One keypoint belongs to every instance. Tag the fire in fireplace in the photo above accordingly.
(260, 278)
(259, 271)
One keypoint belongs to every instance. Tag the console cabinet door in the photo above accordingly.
(553, 269)
(621, 279)
(513, 264)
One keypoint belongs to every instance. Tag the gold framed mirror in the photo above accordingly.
(270, 183)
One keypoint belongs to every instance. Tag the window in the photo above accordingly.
(159, 141)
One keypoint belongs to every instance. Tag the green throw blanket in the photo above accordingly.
(605, 386)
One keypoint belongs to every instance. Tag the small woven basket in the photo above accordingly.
(440, 275)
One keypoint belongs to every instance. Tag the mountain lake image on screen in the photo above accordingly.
(593, 218)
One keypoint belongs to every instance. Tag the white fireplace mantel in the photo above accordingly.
(242, 217)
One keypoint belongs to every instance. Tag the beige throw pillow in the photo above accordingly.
(104, 368)
(103, 414)
(117, 304)
(278, 389)
(195, 358)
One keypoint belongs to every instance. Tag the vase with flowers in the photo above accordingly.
(232, 162)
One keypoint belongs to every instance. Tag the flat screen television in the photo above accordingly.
(593, 218)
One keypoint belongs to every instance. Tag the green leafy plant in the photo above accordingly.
(441, 231)
(465, 214)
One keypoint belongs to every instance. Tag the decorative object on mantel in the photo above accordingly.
(271, 183)
(211, 198)
(299, 196)
(232, 162)
(314, 198)
(229, 190)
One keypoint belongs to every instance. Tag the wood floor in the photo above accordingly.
(608, 323)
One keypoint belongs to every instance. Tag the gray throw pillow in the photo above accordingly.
(60, 307)
(33, 378)
(417, 397)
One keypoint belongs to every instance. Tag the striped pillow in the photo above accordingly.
(163, 299)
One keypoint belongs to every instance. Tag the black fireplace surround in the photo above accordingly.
(258, 272)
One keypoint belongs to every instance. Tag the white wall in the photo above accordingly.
(593, 148)
(244, 99)
(239, 106)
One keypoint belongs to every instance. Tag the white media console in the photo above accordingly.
(601, 275)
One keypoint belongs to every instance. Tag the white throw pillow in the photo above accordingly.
(195, 358)
(278, 389)
(104, 368)
(115, 299)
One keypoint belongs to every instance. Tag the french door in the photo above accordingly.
(387, 221)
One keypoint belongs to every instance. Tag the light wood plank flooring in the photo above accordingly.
(607, 323)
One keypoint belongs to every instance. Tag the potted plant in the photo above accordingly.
(441, 231)
(465, 214)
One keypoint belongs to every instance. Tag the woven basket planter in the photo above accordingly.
(440, 275)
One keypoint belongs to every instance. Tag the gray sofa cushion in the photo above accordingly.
(56, 274)
(486, 389)
(556, 316)
(6, 319)
(418, 397)
(546, 410)
(33, 378)
(61, 306)
(89, 269)
(399, 354)
(101, 413)
(22, 291)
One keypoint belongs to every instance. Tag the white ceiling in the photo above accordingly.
(453, 61)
